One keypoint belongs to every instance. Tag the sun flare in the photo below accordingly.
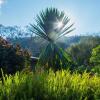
(59, 24)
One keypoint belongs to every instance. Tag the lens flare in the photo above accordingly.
(59, 24)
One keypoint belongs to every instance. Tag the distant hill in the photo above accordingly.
(35, 45)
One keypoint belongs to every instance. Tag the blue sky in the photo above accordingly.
(84, 13)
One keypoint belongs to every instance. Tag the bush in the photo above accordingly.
(96, 70)
(12, 58)
(61, 85)
(81, 52)
(95, 57)
(82, 68)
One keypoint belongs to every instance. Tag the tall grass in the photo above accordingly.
(61, 85)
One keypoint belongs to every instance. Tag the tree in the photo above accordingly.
(81, 52)
(12, 58)
(52, 25)
(95, 56)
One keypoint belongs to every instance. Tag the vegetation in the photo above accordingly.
(95, 58)
(59, 75)
(12, 58)
(52, 25)
(61, 85)
(81, 52)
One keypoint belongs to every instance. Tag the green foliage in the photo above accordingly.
(95, 57)
(96, 69)
(82, 68)
(61, 85)
(47, 27)
(81, 52)
(12, 58)
(55, 58)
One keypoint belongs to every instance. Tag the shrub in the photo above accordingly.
(96, 70)
(12, 58)
(95, 57)
(82, 68)
(81, 52)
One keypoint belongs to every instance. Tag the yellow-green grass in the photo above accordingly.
(61, 85)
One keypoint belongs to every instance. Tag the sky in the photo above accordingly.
(85, 14)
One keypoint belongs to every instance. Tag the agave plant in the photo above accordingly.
(51, 25)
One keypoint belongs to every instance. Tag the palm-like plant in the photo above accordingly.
(52, 25)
